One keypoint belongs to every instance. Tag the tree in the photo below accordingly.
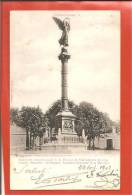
(33, 120)
(14, 115)
(108, 123)
(116, 125)
(35, 123)
(52, 112)
(92, 121)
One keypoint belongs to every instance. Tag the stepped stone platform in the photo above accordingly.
(64, 147)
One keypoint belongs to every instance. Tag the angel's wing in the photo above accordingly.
(59, 23)
(67, 23)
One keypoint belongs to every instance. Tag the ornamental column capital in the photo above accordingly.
(64, 55)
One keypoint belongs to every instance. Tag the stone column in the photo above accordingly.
(64, 56)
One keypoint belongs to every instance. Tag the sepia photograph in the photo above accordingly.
(65, 100)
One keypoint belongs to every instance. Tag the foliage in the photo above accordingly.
(52, 112)
(30, 118)
(14, 115)
(116, 124)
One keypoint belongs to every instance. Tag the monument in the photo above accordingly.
(65, 120)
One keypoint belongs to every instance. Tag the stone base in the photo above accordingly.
(65, 123)
(69, 138)
(64, 148)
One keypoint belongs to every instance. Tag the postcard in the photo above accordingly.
(65, 80)
(65, 119)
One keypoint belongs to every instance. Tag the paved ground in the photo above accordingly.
(62, 149)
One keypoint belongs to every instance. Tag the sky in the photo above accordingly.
(94, 67)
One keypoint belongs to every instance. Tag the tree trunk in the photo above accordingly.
(30, 140)
(93, 143)
(33, 145)
(40, 143)
(89, 144)
(27, 140)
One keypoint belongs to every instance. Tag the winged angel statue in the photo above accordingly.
(65, 27)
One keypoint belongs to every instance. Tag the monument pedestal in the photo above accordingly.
(65, 124)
